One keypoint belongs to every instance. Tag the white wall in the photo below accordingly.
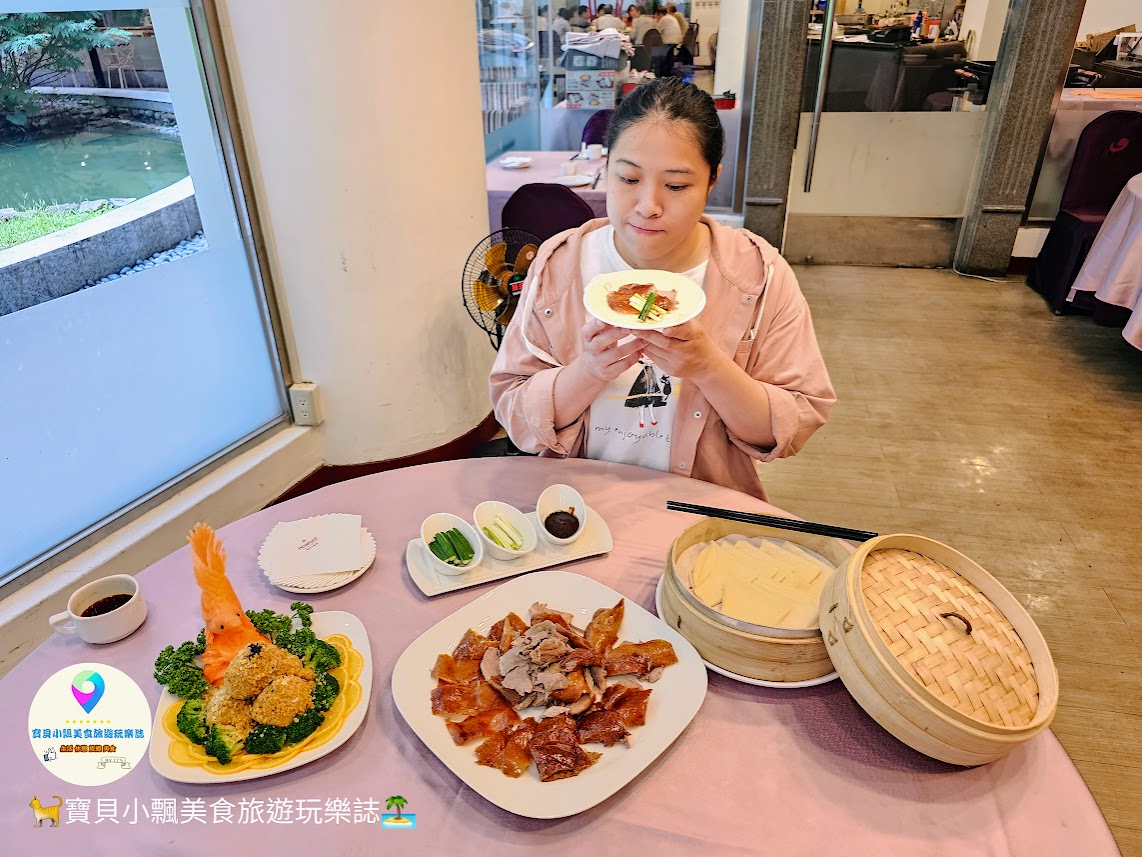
(1099, 16)
(731, 45)
(985, 18)
(367, 154)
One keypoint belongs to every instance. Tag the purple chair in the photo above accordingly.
(1108, 155)
(545, 210)
(595, 131)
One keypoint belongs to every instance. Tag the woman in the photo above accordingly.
(746, 381)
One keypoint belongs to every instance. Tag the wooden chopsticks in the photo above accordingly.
(772, 521)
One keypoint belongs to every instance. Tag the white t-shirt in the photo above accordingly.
(632, 420)
(671, 32)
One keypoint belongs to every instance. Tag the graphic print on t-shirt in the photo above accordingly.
(648, 393)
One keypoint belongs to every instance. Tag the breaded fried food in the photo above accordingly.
(255, 666)
(283, 699)
(225, 710)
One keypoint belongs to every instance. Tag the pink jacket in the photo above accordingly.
(776, 346)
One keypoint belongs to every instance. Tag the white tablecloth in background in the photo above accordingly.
(1113, 268)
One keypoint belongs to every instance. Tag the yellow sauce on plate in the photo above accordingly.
(182, 751)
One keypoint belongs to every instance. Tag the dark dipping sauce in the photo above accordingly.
(562, 525)
(106, 605)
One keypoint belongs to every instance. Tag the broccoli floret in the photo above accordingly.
(304, 725)
(270, 624)
(303, 612)
(325, 690)
(321, 657)
(175, 668)
(223, 742)
(191, 721)
(265, 739)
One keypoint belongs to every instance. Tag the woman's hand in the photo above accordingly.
(683, 351)
(603, 358)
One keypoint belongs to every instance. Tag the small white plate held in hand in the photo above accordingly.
(691, 300)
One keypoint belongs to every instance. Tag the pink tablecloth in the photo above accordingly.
(1113, 268)
(800, 772)
(545, 167)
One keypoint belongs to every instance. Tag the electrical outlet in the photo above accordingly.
(306, 405)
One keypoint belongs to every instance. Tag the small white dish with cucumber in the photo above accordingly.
(506, 531)
(453, 545)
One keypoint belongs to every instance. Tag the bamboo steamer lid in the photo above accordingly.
(937, 651)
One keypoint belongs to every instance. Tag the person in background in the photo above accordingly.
(629, 18)
(668, 27)
(672, 10)
(580, 23)
(743, 382)
(560, 26)
(607, 19)
(640, 24)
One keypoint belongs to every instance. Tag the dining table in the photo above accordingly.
(1112, 271)
(545, 167)
(757, 771)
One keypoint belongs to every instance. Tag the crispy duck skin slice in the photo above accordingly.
(619, 299)
(464, 700)
(510, 621)
(471, 647)
(602, 727)
(508, 750)
(482, 725)
(628, 702)
(576, 687)
(581, 658)
(451, 671)
(653, 653)
(603, 630)
(555, 749)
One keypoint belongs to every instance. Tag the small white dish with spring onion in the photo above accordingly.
(676, 299)
(506, 531)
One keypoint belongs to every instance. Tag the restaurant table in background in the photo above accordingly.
(1113, 268)
(794, 772)
(1077, 109)
(545, 167)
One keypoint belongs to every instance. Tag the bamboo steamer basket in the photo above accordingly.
(753, 651)
(937, 651)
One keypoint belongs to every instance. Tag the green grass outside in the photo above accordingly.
(21, 229)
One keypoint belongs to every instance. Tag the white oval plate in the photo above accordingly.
(757, 682)
(572, 181)
(691, 298)
(324, 624)
(676, 698)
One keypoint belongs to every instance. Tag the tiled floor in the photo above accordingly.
(969, 413)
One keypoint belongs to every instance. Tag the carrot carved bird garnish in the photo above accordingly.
(228, 628)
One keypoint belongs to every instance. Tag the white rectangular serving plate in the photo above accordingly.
(596, 539)
(324, 625)
(676, 696)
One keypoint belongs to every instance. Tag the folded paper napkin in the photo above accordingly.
(327, 544)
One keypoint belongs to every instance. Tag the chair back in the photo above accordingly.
(595, 131)
(1108, 155)
(641, 59)
(545, 210)
(690, 40)
(652, 39)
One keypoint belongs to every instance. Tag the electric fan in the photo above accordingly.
(493, 279)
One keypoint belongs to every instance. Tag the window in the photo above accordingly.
(123, 380)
